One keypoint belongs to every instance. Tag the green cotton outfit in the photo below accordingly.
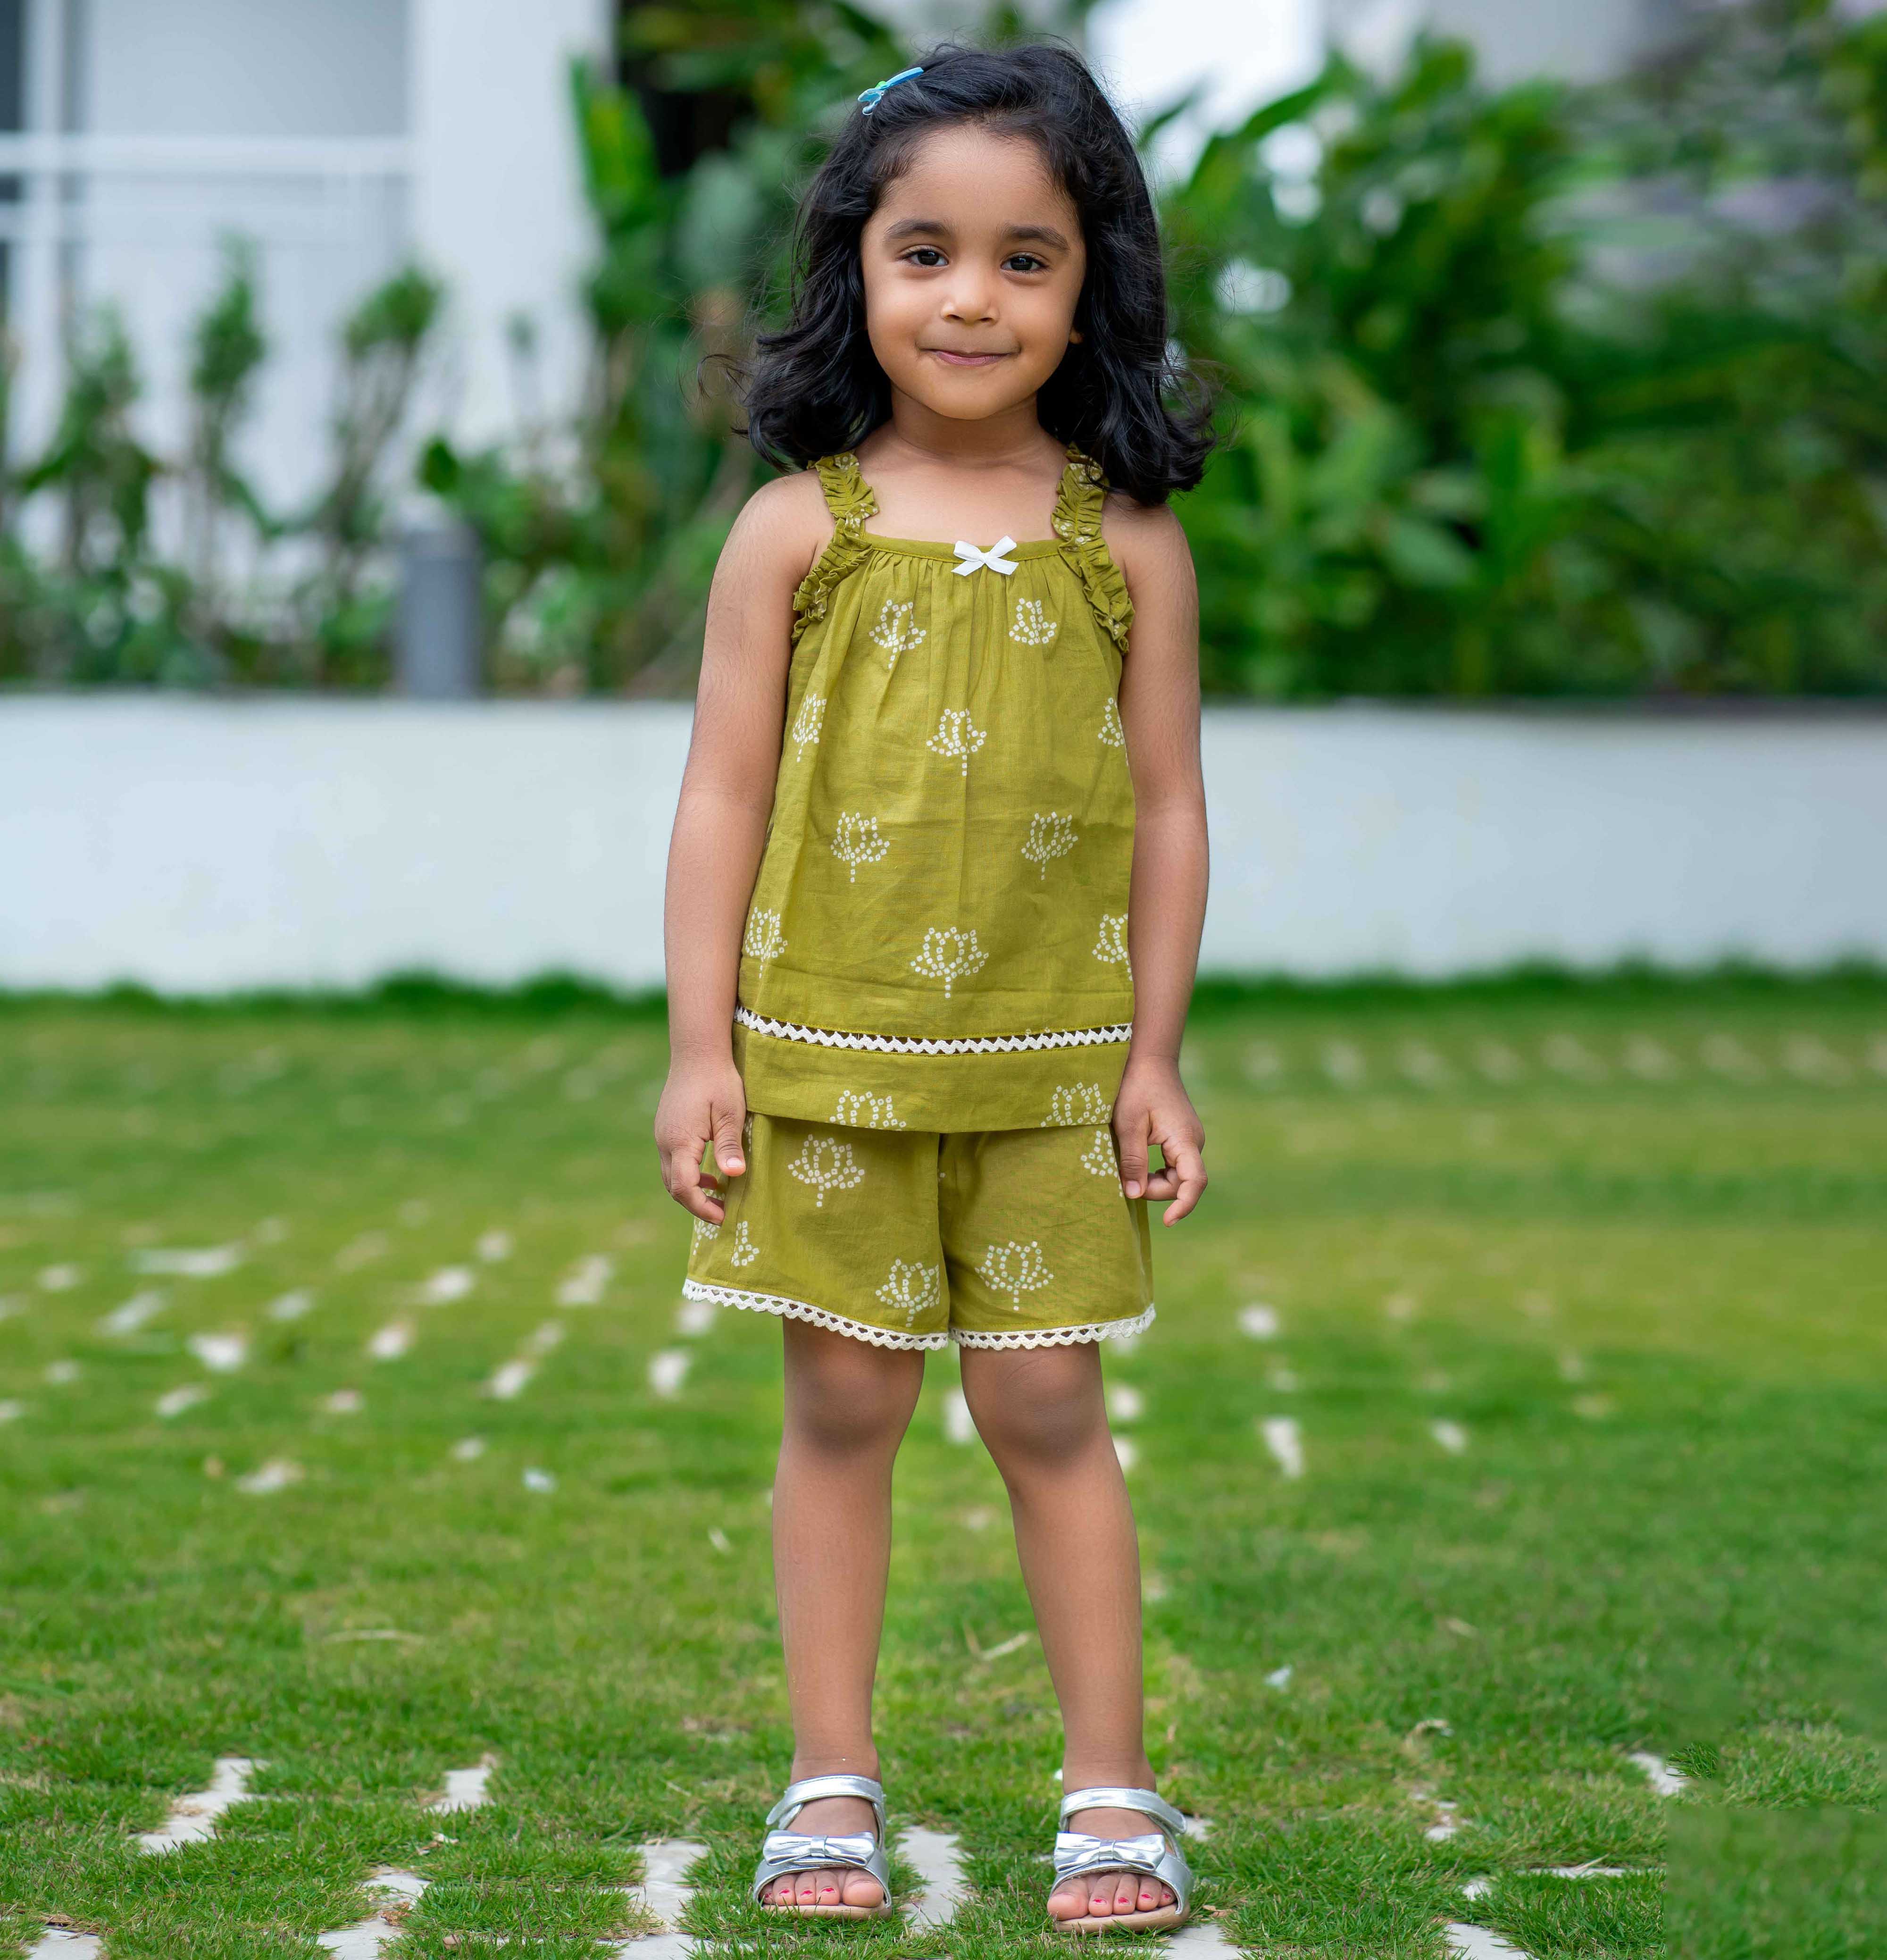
(935, 998)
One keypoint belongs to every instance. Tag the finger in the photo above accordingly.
(691, 1187)
(1191, 1165)
(1162, 1181)
(1130, 1133)
(729, 1156)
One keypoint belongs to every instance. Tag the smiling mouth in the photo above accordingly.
(964, 360)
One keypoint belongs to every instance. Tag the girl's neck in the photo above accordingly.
(995, 442)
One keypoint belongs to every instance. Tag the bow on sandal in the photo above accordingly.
(785, 1852)
(1156, 1854)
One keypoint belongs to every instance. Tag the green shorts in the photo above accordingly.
(916, 1238)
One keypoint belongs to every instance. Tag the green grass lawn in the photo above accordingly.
(1576, 1298)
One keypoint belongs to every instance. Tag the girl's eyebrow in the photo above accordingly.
(1034, 234)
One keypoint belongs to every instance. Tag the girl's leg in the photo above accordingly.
(1041, 1413)
(847, 1406)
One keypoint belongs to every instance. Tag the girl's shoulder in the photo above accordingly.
(1147, 542)
(785, 524)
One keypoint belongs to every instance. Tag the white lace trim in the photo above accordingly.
(1056, 1337)
(797, 1309)
(763, 1024)
(880, 1337)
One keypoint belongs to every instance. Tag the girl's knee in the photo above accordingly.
(844, 1396)
(1039, 1407)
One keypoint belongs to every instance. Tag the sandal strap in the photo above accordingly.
(808, 1789)
(784, 1851)
(1110, 1796)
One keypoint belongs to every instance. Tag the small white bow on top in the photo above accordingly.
(969, 557)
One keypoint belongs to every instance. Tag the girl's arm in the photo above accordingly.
(720, 825)
(1159, 711)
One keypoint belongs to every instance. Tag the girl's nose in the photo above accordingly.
(970, 299)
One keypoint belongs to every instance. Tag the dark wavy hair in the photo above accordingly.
(815, 387)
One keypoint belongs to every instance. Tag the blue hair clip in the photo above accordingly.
(869, 97)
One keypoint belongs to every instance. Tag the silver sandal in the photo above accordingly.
(785, 1852)
(1156, 1854)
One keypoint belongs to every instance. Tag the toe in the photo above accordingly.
(1126, 1892)
(806, 1888)
(1069, 1900)
(861, 1889)
(828, 1885)
(1100, 1898)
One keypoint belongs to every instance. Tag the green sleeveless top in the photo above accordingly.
(938, 935)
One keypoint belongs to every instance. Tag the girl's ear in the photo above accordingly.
(1074, 334)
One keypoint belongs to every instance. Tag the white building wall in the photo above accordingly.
(498, 205)
(201, 847)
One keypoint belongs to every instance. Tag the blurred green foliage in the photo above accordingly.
(1527, 391)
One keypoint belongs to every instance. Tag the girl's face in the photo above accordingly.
(973, 262)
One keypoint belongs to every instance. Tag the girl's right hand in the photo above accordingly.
(701, 1103)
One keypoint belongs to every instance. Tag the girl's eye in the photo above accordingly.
(925, 255)
(1026, 262)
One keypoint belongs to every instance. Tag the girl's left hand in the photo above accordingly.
(1154, 1107)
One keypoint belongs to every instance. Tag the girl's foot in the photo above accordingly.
(1096, 1895)
(837, 1817)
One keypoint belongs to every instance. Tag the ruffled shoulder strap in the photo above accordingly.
(1077, 525)
(847, 494)
(848, 497)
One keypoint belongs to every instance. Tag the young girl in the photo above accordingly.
(934, 903)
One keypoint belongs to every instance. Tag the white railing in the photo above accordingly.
(139, 222)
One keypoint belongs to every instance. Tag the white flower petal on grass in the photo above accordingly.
(1476, 1942)
(1593, 1408)
(449, 1284)
(132, 1316)
(291, 1305)
(540, 1481)
(959, 1426)
(1283, 1379)
(269, 1232)
(467, 1448)
(1666, 1781)
(221, 1353)
(344, 1402)
(1125, 1404)
(60, 1373)
(192, 1818)
(695, 1316)
(276, 1474)
(174, 1402)
(202, 1262)
(547, 1337)
(11, 1303)
(1400, 1307)
(1125, 1453)
(509, 1381)
(585, 1285)
(1279, 1678)
(668, 1370)
(1450, 1435)
(465, 1789)
(1447, 1825)
(718, 1539)
(1259, 1321)
(59, 1279)
(1153, 1588)
(391, 1341)
(1285, 1441)
(12, 1411)
(1572, 1367)
(493, 1246)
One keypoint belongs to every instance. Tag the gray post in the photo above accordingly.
(439, 637)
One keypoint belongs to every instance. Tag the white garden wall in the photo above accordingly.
(200, 847)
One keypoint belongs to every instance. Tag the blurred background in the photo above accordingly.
(361, 351)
